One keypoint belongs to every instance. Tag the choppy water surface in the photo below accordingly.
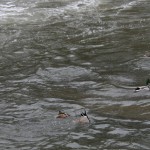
(69, 54)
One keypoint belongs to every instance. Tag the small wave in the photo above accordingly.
(64, 74)
(6, 10)
(126, 6)
(33, 12)
(10, 13)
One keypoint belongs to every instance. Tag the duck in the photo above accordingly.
(62, 115)
(83, 118)
(146, 87)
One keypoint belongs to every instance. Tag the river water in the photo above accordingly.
(72, 54)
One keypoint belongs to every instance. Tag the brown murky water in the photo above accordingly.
(72, 54)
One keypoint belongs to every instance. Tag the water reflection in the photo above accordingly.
(66, 55)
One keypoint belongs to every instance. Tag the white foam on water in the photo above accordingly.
(127, 6)
(14, 12)
(9, 10)
(9, 13)
(21, 12)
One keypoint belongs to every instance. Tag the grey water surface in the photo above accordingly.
(72, 54)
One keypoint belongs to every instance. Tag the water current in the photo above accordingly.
(72, 54)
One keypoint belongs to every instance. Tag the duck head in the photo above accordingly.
(62, 115)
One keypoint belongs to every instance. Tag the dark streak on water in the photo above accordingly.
(69, 54)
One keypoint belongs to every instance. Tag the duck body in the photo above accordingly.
(82, 119)
(142, 88)
(147, 87)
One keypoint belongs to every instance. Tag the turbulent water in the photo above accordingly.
(72, 54)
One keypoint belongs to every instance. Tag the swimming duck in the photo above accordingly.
(83, 118)
(62, 115)
(147, 87)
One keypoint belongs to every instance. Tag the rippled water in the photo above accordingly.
(69, 54)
